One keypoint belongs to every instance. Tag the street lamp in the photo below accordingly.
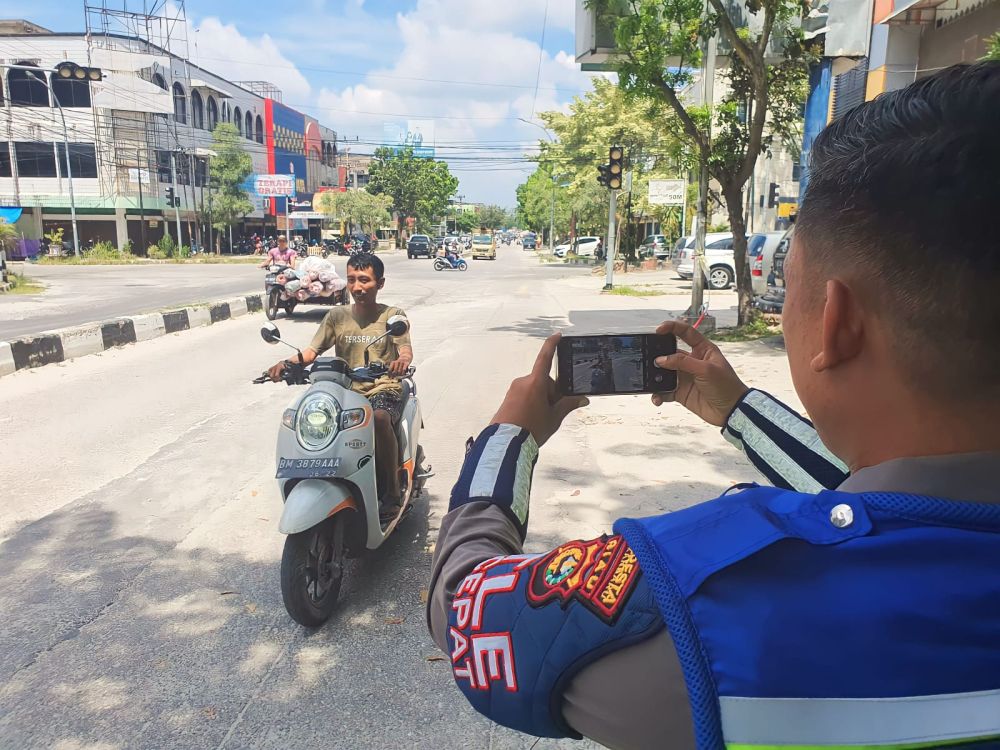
(65, 71)
(552, 214)
(62, 71)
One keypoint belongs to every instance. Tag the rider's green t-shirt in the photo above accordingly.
(348, 335)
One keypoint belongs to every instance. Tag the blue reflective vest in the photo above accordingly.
(831, 620)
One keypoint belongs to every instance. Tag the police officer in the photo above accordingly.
(856, 600)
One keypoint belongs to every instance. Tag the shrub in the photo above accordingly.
(106, 251)
(167, 246)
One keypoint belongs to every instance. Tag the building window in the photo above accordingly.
(249, 130)
(238, 120)
(71, 92)
(25, 91)
(260, 129)
(5, 160)
(213, 113)
(180, 105)
(159, 81)
(82, 159)
(35, 159)
(226, 112)
(197, 111)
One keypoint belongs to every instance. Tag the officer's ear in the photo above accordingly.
(381, 284)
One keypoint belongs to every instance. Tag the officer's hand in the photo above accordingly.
(707, 385)
(534, 402)
(277, 371)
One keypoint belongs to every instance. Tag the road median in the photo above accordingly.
(52, 347)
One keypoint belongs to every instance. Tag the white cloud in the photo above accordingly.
(222, 49)
(473, 68)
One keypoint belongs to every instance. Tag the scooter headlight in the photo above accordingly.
(317, 422)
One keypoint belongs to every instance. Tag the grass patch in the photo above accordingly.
(24, 285)
(631, 291)
(46, 260)
(759, 328)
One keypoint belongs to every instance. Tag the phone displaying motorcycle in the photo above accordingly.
(614, 364)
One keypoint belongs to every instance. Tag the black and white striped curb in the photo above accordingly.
(57, 346)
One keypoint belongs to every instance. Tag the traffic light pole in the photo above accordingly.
(177, 200)
(609, 248)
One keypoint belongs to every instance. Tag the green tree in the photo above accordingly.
(465, 221)
(356, 207)
(993, 47)
(603, 117)
(8, 233)
(660, 44)
(227, 171)
(493, 217)
(535, 200)
(419, 188)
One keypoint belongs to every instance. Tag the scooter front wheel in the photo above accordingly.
(273, 300)
(439, 266)
(312, 570)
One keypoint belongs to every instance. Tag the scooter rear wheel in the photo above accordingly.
(312, 571)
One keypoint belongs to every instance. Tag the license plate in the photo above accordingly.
(306, 468)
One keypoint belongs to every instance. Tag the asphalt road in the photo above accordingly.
(140, 554)
(75, 295)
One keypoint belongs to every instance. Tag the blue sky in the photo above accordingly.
(469, 65)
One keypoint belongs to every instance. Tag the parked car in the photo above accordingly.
(760, 253)
(562, 248)
(718, 258)
(655, 245)
(773, 300)
(529, 240)
(419, 245)
(586, 247)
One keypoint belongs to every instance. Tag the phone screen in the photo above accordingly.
(615, 364)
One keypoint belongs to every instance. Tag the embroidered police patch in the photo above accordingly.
(600, 574)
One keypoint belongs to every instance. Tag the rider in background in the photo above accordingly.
(281, 255)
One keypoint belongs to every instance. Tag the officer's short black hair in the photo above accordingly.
(904, 197)
(361, 261)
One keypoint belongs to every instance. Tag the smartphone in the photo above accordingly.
(614, 364)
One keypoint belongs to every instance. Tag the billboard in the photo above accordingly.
(666, 192)
(269, 185)
(415, 134)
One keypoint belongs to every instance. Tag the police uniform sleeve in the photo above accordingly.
(531, 637)
(782, 445)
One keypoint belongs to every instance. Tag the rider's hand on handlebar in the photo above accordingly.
(534, 402)
(276, 372)
(399, 367)
(707, 385)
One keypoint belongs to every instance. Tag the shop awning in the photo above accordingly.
(200, 83)
(10, 214)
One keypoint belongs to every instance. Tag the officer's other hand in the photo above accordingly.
(277, 371)
(534, 402)
(707, 385)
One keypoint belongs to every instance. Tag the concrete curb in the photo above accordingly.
(51, 347)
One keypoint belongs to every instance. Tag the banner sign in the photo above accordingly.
(270, 185)
(415, 134)
(666, 192)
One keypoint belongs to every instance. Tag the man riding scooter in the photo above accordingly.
(349, 331)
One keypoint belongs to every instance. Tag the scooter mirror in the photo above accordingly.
(397, 325)
(270, 333)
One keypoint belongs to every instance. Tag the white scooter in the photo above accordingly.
(327, 474)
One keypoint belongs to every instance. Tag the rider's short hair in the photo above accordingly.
(361, 261)
(282, 238)
(902, 197)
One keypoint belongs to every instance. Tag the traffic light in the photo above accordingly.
(173, 200)
(71, 71)
(616, 167)
(612, 173)
(772, 195)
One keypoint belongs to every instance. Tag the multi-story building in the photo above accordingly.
(142, 127)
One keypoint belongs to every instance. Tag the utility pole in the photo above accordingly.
(552, 217)
(609, 248)
(142, 210)
(177, 199)
(698, 267)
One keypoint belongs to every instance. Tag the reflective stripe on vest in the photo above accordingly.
(917, 722)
